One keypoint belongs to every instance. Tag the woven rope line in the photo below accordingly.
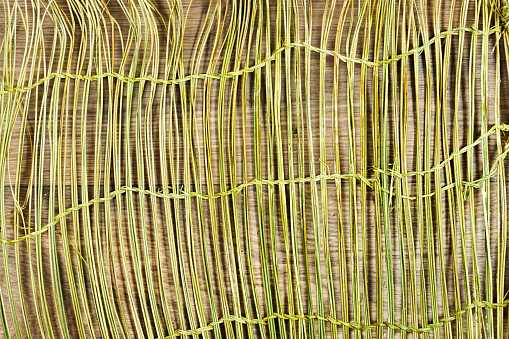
(181, 195)
(251, 69)
(257, 182)
(235, 190)
(339, 322)
(492, 130)
(63, 215)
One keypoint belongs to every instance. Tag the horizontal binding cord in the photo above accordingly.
(352, 325)
(251, 69)
(372, 183)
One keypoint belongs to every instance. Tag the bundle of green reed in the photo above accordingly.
(254, 168)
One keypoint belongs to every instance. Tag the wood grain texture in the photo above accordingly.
(90, 138)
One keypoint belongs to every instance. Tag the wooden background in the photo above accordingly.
(196, 254)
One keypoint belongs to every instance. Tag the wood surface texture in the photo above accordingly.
(192, 251)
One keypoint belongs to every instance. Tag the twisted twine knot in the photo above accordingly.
(504, 17)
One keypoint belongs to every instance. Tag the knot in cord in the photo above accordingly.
(504, 17)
